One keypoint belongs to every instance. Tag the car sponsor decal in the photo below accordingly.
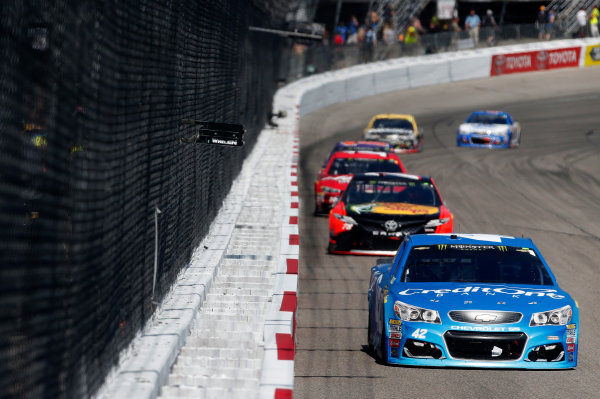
(398, 322)
(571, 357)
(553, 338)
(571, 333)
(571, 326)
(571, 340)
(339, 179)
(570, 347)
(515, 292)
(398, 208)
(592, 55)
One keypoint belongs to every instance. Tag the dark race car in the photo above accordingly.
(378, 209)
(334, 178)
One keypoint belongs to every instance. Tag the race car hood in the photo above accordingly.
(445, 297)
(392, 209)
(389, 134)
(483, 128)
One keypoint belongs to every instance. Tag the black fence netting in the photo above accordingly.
(92, 94)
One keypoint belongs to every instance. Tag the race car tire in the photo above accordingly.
(331, 247)
(316, 212)
(370, 345)
(383, 347)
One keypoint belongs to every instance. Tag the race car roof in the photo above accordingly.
(364, 154)
(471, 239)
(394, 116)
(489, 112)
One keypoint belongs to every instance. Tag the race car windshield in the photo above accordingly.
(353, 166)
(488, 119)
(392, 124)
(391, 191)
(457, 263)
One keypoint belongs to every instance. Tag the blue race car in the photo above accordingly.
(469, 300)
(489, 129)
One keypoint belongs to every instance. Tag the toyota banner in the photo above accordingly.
(535, 60)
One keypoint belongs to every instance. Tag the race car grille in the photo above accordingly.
(485, 317)
(470, 345)
(404, 226)
(481, 140)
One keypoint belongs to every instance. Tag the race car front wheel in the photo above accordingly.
(383, 343)
(369, 333)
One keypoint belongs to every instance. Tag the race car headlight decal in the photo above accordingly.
(413, 313)
(331, 190)
(345, 219)
(556, 317)
(437, 222)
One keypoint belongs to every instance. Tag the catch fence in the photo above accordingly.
(92, 94)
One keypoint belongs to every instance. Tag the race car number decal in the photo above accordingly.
(420, 333)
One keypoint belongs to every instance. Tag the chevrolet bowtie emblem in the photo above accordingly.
(486, 318)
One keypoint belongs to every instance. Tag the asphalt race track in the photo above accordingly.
(547, 189)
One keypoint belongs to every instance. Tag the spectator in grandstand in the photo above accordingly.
(435, 27)
(369, 43)
(372, 20)
(581, 17)
(455, 33)
(489, 27)
(389, 41)
(414, 21)
(353, 30)
(472, 23)
(540, 22)
(388, 13)
(411, 41)
(445, 36)
(338, 51)
(594, 15)
(341, 31)
(550, 24)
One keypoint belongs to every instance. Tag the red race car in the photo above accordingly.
(357, 146)
(377, 210)
(342, 165)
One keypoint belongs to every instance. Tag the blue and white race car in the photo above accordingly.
(489, 129)
(469, 300)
